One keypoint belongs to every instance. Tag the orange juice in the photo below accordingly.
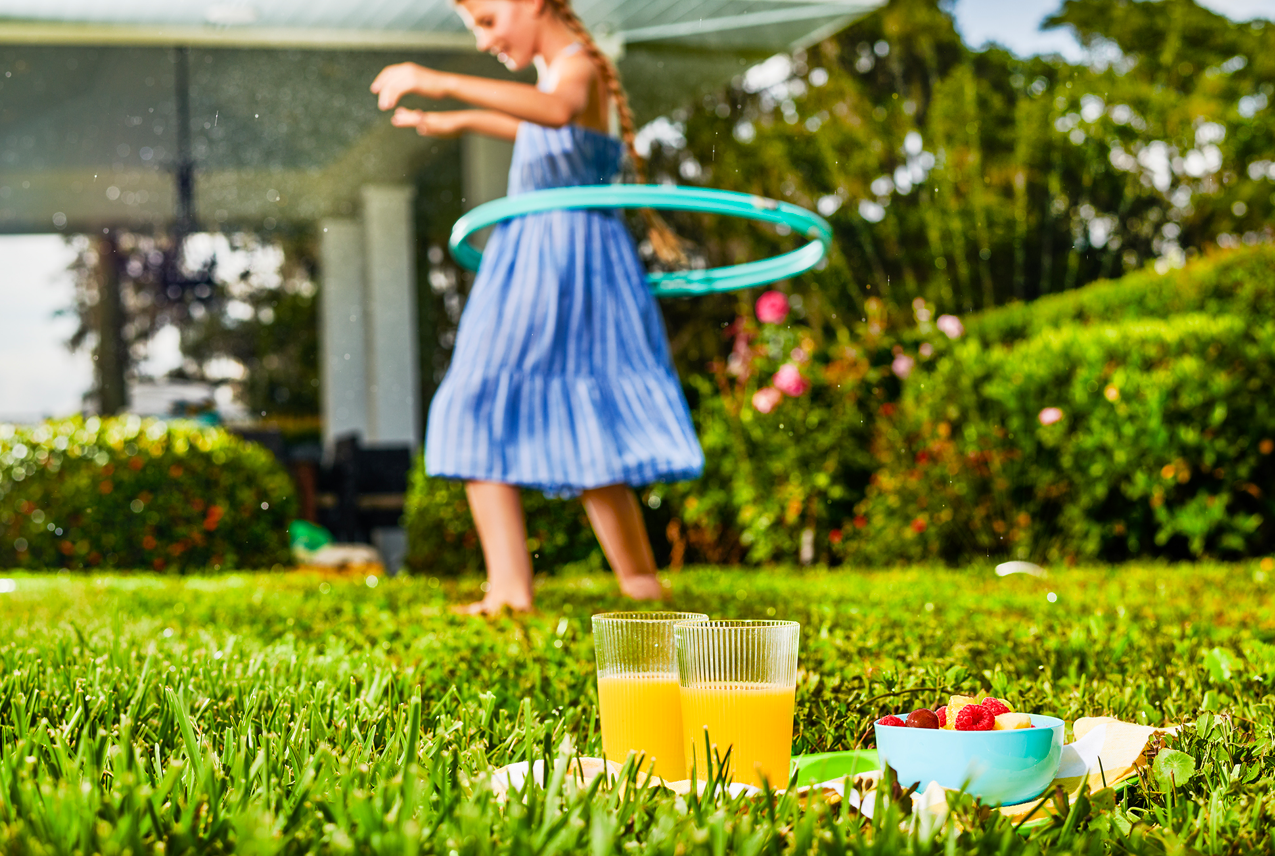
(643, 714)
(753, 721)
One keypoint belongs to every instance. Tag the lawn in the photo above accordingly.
(296, 713)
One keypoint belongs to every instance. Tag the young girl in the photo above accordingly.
(561, 379)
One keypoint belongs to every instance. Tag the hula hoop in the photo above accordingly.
(683, 283)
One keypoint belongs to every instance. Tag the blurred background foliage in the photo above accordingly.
(975, 178)
(976, 198)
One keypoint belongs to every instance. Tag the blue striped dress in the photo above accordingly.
(561, 378)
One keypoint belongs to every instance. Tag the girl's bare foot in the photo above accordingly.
(643, 587)
(494, 604)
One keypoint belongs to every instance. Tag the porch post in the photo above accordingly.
(342, 339)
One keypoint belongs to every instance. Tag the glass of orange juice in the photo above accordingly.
(738, 680)
(639, 698)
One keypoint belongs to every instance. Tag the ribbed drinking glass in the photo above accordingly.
(639, 698)
(738, 680)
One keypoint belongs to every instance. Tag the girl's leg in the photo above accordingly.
(498, 517)
(617, 519)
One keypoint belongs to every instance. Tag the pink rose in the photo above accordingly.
(1050, 415)
(772, 307)
(951, 325)
(767, 399)
(927, 350)
(789, 381)
(902, 366)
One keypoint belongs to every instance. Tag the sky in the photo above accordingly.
(1015, 24)
(39, 377)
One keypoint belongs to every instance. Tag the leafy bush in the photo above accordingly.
(134, 493)
(1149, 437)
(1241, 283)
(442, 540)
(785, 426)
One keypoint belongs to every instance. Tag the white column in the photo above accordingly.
(393, 389)
(342, 339)
(484, 164)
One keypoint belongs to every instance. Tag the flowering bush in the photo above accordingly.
(1150, 437)
(786, 424)
(139, 494)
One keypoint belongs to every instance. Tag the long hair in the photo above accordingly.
(668, 247)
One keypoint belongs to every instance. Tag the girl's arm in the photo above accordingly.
(452, 123)
(519, 100)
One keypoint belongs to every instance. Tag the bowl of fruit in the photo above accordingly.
(977, 743)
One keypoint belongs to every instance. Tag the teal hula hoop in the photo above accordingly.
(683, 283)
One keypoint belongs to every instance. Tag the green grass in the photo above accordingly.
(297, 714)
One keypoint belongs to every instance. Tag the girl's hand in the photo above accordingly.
(430, 124)
(395, 81)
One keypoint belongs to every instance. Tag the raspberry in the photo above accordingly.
(974, 717)
(954, 705)
(996, 706)
(941, 711)
(891, 720)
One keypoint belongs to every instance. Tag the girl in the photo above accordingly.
(561, 378)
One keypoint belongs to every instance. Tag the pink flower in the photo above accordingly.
(902, 366)
(951, 325)
(927, 350)
(772, 307)
(789, 381)
(798, 355)
(767, 399)
(1050, 415)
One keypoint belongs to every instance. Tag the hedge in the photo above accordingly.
(1241, 282)
(139, 494)
(1148, 437)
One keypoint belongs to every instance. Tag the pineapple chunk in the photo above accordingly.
(1012, 721)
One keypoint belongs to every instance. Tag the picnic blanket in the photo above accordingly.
(1106, 752)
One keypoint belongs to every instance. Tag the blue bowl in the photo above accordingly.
(1005, 767)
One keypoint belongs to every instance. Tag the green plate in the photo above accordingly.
(833, 766)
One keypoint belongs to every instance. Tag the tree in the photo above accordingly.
(265, 321)
(252, 323)
(972, 178)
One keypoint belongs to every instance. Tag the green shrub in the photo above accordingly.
(773, 478)
(1163, 448)
(134, 493)
(1241, 282)
(442, 540)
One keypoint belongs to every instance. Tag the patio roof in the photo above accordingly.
(755, 25)
(282, 126)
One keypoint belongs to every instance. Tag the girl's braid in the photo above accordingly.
(668, 246)
(611, 77)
